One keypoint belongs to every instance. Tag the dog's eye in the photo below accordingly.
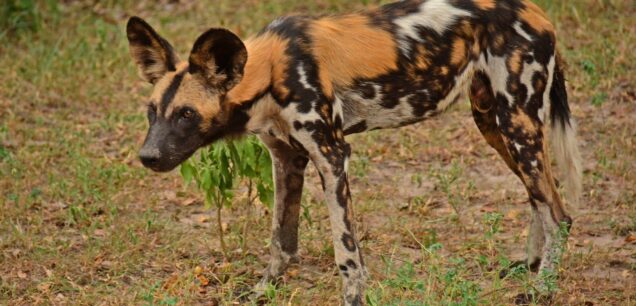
(187, 114)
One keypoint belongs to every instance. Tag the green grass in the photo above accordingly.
(81, 222)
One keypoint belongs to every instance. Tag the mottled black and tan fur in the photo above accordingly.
(304, 83)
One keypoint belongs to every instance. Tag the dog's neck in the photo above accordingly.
(252, 95)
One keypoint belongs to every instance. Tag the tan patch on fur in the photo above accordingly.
(152, 72)
(339, 135)
(536, 18)
(265, 115)
(348, 47)
(266, 65)
(514, 62)
(191, 93)
(485, 4)
(423, 60)
(157, 53)
(458, 55)
(521, 120)
(466, 29)
(498, 42)
(476, 47)
(539, 85)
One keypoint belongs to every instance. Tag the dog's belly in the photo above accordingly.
(374, 105)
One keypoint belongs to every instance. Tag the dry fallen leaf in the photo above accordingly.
(203, 281)
(631, 238)
(22, 275)
(44, 287)
(171, 281)
(198, 270)
(188, 202)
(487, 208)
(625, 273)
(99, 233)
(513, 214)
(293, 273)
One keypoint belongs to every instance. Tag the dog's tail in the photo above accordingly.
(563, 136)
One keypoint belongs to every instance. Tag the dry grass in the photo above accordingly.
(81, 222)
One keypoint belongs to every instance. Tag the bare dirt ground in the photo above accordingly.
(439, 214)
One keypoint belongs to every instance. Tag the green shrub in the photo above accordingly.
(222, 166)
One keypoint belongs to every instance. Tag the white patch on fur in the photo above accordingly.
(567, 155)
(498, 73)
(521, 31)
(553, 248)
(337, 109)
(546, 95)
(357, 108)
(303, 77)
(525, 78)
(291, 112)
(276, 22)
(536, 238)
(518, 147)
(435, 14)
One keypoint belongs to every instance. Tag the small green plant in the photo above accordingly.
(446, 181)
(151, 297)
(492, 220)
(19, 15)
(590, 68)
(222, 166)
(360, 166)
(599, 98)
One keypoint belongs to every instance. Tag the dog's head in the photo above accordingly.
(186, 109)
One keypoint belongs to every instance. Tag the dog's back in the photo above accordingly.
(405, 61)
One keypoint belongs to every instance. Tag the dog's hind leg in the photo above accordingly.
(484, 109)
(521, 85)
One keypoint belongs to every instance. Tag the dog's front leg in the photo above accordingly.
(332, 165)
(289, 169)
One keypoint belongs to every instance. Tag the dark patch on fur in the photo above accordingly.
(171, 91)
(341, 190)
(349, 242)
(356, 128)
(559, 108)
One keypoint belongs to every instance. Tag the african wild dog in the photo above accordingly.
(303, 83)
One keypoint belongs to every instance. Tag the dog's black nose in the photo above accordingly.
(149, 157)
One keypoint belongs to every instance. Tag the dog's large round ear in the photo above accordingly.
(218, 58)
(153, 55)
